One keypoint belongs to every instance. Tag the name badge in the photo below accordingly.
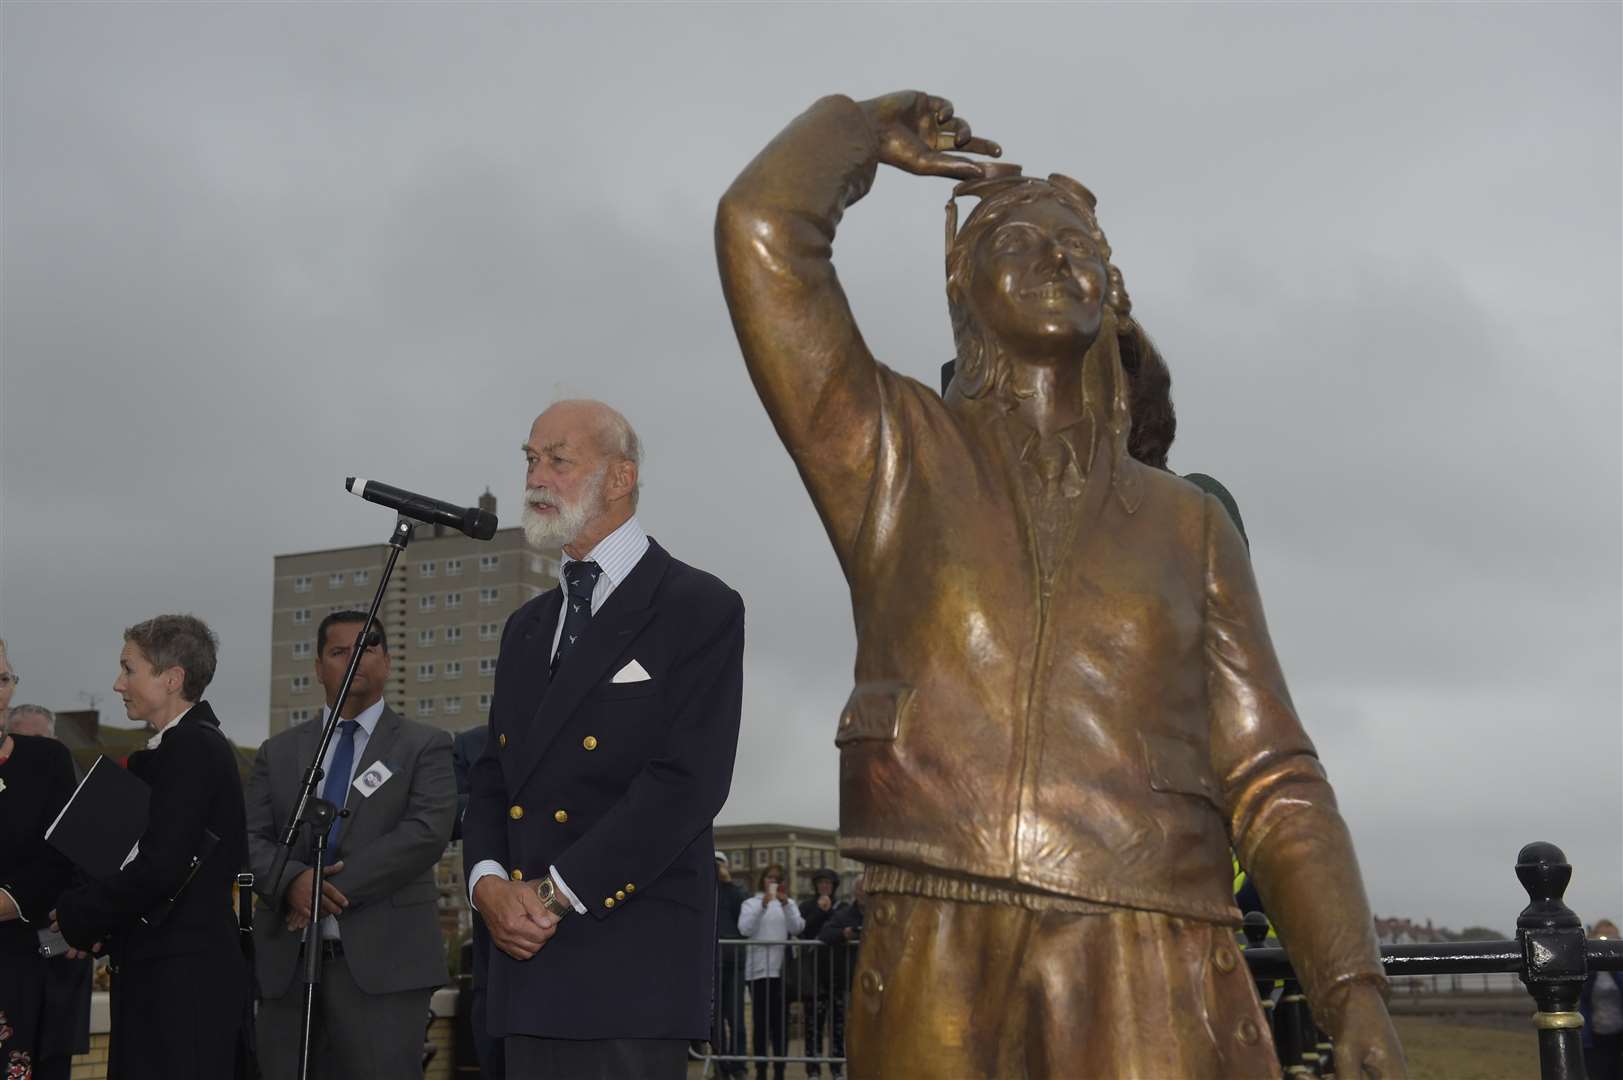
(372, 779)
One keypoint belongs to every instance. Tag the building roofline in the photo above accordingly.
(385, 543)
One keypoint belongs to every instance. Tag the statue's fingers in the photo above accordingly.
(938, 164)
(951, 135)
(941, 109)
(977, 145)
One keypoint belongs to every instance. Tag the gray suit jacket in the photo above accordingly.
(389, 845)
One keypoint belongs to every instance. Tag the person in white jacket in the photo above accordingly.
(769, 915)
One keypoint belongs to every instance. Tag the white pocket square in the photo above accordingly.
(632, 672)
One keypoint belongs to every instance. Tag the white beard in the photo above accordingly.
(560, 528)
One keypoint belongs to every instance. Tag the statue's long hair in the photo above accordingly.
(983, 369)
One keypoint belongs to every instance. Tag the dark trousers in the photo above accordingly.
(354, 1035)
(767, 1011)
(492, 1058)
(829, 1008)
(730, 1013)
(177, 1017)
(1604, 1059)
(530, 1058)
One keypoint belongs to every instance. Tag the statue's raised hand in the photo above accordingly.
(916, 130)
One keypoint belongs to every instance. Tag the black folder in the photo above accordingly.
(101, 824)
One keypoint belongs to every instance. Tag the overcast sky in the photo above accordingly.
(252, 249)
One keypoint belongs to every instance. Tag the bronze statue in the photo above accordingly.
(1067, 707)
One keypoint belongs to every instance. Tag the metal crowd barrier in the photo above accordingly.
(1550, 955)
(755, 1024)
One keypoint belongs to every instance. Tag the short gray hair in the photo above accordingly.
(32, 710)
(182, 641)
(615, 437)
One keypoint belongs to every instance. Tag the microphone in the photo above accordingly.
(477, 523)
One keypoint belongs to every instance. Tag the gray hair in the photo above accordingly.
(32, 710)
(182, 641)
(616, 438)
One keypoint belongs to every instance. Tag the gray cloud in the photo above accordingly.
(252, 249)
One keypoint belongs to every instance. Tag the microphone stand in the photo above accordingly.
(319, 814)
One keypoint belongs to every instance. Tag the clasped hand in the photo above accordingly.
(297, 897)
(73, 953)
(519, 923)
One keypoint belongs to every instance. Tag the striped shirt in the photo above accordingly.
(617, 554)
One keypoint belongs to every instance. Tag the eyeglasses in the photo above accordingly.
(8, 679)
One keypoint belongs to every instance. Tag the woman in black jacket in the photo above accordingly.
(180, 982)
(36, 781)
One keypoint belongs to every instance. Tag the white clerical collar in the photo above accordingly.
(152, 743)
(368, 719)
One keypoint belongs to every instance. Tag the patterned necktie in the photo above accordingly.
(343, 761)
(580, 578)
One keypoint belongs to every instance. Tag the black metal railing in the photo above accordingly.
(1550, 954)
(798, 999)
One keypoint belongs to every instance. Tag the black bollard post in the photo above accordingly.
(1293, 1022)
(1553, 964)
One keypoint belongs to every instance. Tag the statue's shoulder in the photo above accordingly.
(1212, 486)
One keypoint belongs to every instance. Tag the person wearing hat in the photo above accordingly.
(826, 1005)
(729, 1034)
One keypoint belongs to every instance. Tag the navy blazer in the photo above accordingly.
(616, 784)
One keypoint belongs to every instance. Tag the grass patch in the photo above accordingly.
(1440, 1049)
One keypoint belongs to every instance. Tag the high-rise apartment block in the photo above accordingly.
(444, 611)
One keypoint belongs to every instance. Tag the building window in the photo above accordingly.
(361, 577)
(540, 564)
(487, 563)
(301, 584)
(301, 616)
(426, 569)
(778, 856)
(298, 716)
(489, 631)
(763, 858)
(453, 567)
(489, 596)
(425, 672)
(487, 665)
(453, 600)
(425, 603)
(425, 706)
(300, 684)
(301, 649)
(737, 859)
(453, 705)
(335, 581)
(484, 703)
(453, 669)
(453, 634)
(425, 637)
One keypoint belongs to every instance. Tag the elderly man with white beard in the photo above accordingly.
(612, 733)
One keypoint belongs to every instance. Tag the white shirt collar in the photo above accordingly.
(617, 553)
(152, 743)
(368, 719)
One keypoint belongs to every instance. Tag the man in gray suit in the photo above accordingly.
(379, 927)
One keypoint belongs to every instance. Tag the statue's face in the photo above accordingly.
(1038, 283)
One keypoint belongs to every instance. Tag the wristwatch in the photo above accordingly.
(551, 899)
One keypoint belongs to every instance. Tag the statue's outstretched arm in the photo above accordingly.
(1283, 817)
(774, 240)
